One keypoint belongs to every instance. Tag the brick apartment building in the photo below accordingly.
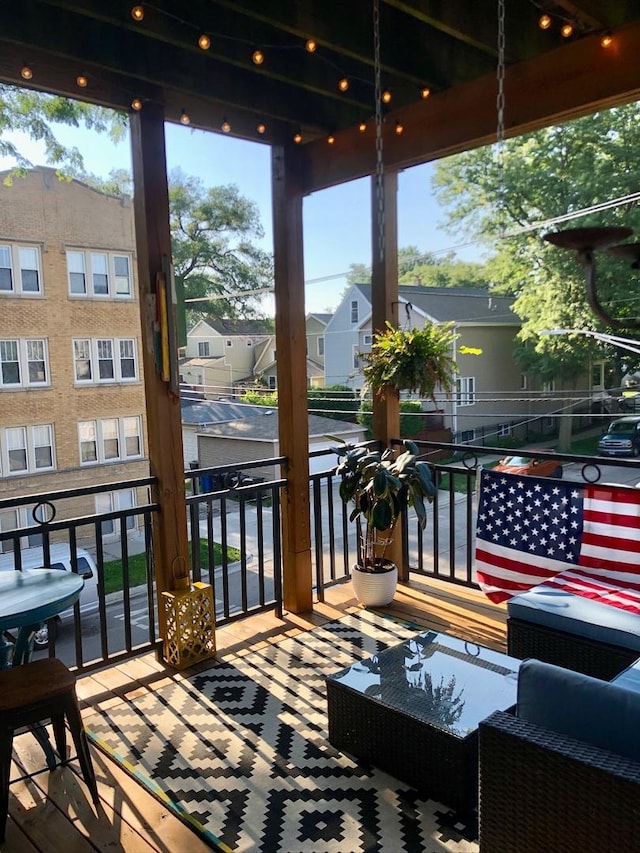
(71, 383)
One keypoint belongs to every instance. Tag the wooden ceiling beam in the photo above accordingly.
(573, 80)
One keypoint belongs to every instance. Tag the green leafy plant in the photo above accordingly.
(381, 486)
(415, 360)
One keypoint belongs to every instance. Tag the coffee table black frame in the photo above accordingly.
(380, 712)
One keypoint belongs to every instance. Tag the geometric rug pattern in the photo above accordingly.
(240, 753)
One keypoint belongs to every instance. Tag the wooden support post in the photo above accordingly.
(384, 306)
(164, 422)
(292, 377)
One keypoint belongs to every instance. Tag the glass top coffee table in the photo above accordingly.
(413, 710)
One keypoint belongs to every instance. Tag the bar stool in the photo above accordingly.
(37, 691)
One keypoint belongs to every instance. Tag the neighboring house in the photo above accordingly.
(256, 437)
(316, 325)
(197, 414)
(71, 381)
(488, 382)
(220, 354)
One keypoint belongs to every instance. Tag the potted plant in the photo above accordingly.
(416, 360)
(381, 485)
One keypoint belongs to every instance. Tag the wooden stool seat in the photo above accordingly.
(37, 691)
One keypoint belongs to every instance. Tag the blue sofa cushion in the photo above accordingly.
(579, 706)
(574, 614)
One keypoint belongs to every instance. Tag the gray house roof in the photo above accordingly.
(264, 427)
(240, 327)
(217, 411)
(459, 304)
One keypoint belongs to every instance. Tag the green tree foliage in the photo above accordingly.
(411, 418)
(256, 397)
(213, 254)
(36, 114)
(428, 270)
(335, 401)
(548, 174)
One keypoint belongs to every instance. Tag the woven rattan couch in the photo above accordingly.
(543, 790)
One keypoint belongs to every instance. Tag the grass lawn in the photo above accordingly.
(138, 566)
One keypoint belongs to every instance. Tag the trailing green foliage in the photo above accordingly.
(415, 360)
(380, 486)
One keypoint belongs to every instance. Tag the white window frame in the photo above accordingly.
(97, 348)
(273, 383)
(356, 357)
(106, 502)
(228, 342)
(524, 382)
(27, 440)
(203, 349)
(504, 430)
(100, 432)
(367, 340)
(320, 345)
(465, 391)
(467, 436)
(17, 269)
(16, 518)
(91, 265)
(355, 312)
(549, 386)
(22, 350)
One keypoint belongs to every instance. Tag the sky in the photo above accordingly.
(337, 230)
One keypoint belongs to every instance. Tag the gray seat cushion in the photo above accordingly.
(574, 614)
(579, 706)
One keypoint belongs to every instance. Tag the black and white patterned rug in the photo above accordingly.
(240, 753)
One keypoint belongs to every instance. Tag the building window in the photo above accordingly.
(367, 340)
(110, 274)
(320, 344)
(23, 260)
(467, 436)
(23, 363)
(355, 311)
(523, 382)
(105, 360)
(465, 391)
(109, 440)
(356, 358)
(272, 383)
(549, 386)
(249, 343)
(27, 450)
(108, 502)
(504, 430)
(203, 349)
(15, 519)
(228, 342)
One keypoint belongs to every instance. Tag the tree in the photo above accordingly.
(551, 173)
(548, 174)
(424, 268)
(36, 114)
(213, 256)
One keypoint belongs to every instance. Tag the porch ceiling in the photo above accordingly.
(449, 47)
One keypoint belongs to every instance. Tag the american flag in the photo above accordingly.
(530, 529)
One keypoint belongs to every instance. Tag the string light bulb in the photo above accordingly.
(297, 138)
(82, 81)
(362, 126)
(343, 84)
(136, 104)
(606, 41)
(137, 13)
(261, 128)
(544, 21)
(425, 92)
(399, 128)
(26, 72)
(225, 127)
(204, 42)
(566, 30)
(258, 57)
(311, 45)
(386, 97)
(331, 139)
(184, 118)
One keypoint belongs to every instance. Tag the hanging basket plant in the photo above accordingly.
(416, 360)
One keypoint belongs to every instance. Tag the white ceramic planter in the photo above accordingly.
(374, 589)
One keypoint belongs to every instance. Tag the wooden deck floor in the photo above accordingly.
(50, 812)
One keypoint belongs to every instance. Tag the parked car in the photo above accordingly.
(527, 465)
(60, 558)
(622, 437)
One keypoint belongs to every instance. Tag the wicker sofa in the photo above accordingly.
(563, 773)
